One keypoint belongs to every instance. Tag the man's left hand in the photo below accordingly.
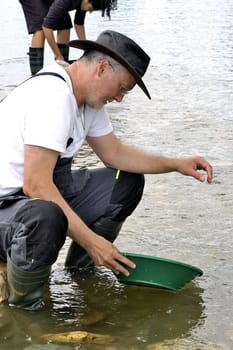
(191, 167)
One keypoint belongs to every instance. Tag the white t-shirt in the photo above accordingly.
(43, 112)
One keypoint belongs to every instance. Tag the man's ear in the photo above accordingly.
(102, 67)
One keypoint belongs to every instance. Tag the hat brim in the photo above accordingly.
(93, 45)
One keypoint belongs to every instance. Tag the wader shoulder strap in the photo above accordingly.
(48, 73)
(38, 74)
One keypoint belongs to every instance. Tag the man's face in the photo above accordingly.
(112, 84)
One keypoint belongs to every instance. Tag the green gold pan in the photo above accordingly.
(158, 272)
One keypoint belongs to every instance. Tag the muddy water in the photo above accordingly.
(190, 80)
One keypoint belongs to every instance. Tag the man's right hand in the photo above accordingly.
(105, 253)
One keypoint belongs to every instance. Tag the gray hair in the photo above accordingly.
(96, 56)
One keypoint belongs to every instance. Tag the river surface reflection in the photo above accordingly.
(190, 80)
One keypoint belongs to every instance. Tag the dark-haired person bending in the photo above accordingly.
(43, 17)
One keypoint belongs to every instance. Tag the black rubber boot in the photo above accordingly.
(64, 51)
(77, 257)
(25, 287)
(36, 59)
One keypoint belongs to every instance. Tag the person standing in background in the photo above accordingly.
(43, 17)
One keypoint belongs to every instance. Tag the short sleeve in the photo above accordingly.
(50, 124)
(100, 124)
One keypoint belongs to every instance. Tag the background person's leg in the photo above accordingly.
(63, 37)
(34, 13)
(36, 52)
(63, 27)
(36, 59)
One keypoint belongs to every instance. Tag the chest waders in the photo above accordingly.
(26, 288)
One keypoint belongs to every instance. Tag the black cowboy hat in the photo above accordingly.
(122, 49)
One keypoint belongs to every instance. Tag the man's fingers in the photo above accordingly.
(120, 264)
(204, 165)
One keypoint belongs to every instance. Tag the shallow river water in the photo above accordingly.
(191, 84)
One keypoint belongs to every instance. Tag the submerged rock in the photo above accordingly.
(78, 337)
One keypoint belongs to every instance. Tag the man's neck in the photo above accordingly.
(73, 71)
